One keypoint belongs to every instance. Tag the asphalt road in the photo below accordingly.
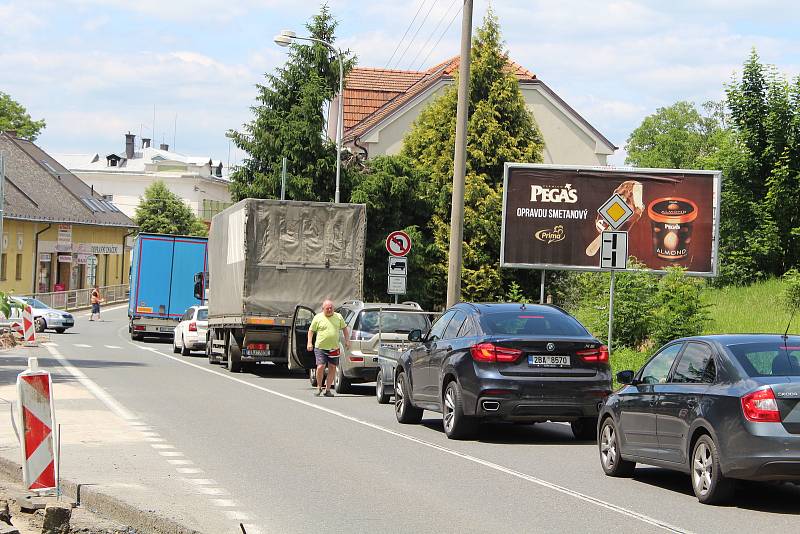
(213, 449)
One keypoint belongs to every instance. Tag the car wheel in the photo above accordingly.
(709, 484)
(380, 391)
(611, 454)
(60, 330)
(312, 377)
(175, 348)
(234, 355)
(585, 428)
(39, 324)
(340, 382)
(184, 350)
(456, 424)
(405, 412)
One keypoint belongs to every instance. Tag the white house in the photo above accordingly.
(381, 105)
(123, 177)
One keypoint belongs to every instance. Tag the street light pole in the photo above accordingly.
(459, 161)
(285, 38)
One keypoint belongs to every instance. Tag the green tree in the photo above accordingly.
(677, 137)
(389, 187)
(13, 116)
(500, 129)
(289, 122)
(162, 212)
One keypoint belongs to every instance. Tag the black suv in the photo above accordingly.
(528, 363)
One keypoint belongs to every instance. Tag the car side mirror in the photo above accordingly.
(626, 377)
(415, 335)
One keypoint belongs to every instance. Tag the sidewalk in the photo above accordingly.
(106, 451)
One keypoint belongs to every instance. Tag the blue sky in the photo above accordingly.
(95, 69)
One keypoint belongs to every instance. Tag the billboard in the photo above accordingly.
(551, 219)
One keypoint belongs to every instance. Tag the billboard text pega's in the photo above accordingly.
(551, 219)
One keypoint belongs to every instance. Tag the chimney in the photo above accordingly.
(219, 170)
(145, 142)
(164, 147)
(129, 151)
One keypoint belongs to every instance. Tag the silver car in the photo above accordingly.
(371, 325)
(44, 317)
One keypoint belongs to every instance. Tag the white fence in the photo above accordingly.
(82, 298)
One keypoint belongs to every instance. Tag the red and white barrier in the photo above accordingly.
(38, 440)
(29, 327)
(16, 327)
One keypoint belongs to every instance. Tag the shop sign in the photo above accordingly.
(105, 249)
(65, 258)
(45, 257)
(64, 243)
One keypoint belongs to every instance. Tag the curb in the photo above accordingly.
(143, 521)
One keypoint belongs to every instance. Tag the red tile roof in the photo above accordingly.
(370, 94)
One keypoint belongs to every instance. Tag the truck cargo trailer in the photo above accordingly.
(271, 264)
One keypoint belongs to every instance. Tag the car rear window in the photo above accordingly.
(202, 315)
(522, 323)
(369, 321)
(767, 359)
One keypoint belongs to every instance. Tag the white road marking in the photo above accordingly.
(154, 440)
(201, 481)
(224, 503)
(82, 345)
(188, 470)
(491, 465)
(236, 515)
(252, 529)
(170, 453)
(211, 491)
(181, 462)
(112, 347)
(162, 446)
(49, 344)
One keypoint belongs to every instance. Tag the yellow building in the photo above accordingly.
(58, 233)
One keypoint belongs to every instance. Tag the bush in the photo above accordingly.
(678, 309)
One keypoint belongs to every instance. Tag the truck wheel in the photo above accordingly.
(234, 355)
(340, 382)
(209, 350)
(380, 391)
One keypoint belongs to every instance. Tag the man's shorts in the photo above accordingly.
(322, 357)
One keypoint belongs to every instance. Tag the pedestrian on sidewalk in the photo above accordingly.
(97, 298)
(327, 326)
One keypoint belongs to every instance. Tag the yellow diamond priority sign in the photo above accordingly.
(615, 211)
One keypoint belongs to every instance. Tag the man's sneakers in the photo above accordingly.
(328, 393)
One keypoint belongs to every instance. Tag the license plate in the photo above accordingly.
(549, 360)
(166, 329)
(256, 352)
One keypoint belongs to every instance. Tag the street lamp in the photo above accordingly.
(287, 37)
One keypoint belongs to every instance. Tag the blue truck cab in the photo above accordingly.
(162, 284)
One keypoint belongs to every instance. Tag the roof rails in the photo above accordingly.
(356, 302)
(412, 303)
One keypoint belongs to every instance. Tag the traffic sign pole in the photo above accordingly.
(610, 313)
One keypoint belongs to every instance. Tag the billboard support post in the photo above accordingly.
(610, 312)
(541, 290)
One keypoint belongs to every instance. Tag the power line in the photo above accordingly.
(441, 36)
(415, 34)
(433, 32)
(406, 33)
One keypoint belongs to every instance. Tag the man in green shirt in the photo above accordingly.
(326, 348)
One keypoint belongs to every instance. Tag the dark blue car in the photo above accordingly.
(719, 408)
(523, 363)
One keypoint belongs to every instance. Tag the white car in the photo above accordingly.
(190, 334)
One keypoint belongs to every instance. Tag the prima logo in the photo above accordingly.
(551, 347)
(551, 236)
(555, 194)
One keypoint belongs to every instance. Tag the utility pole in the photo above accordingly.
(459, 161)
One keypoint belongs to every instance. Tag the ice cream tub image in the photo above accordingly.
(672, 219)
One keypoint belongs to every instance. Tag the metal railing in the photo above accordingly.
(82, 298)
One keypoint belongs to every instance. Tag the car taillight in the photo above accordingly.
(193, 327)
(257, 346)
(760, 407)
(356, 358)
(138, 327)
(489, 352)
(599, 354)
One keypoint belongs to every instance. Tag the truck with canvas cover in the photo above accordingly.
(272, 263)
(161, 282)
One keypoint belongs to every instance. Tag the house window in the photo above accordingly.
(3, 267)
(18, 268)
